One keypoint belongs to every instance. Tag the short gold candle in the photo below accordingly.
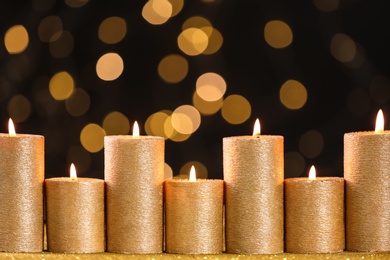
(194, 216)
(21, 192)
(314, 215)
(134, 175)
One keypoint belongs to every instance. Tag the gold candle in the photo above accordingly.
(314, 216)
(194, 216)
(75, 214)
(22, 172)
(254, 173)
(134, 174)
(367, 175)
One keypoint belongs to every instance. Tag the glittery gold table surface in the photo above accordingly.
(107, 256)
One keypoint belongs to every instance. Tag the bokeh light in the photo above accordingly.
(61, 85)
(92, 138)
(186, 119)
(173, 68)
(326, 5)
(172, 134)
(210, 86)
(81, 158)
(62, 46)
(193, 41)
(50, 28)
(294, 164)
(177, 6)
(293, 94)
(16, 39)
(42, 5)
(155, 124)
(205, 107)
(168, 173)
(197, 22)
(278, 34)
(343, 48)
(112, 30)
(215, 41)
(19, 108)
(116, 123)
(78, 103)
(311, 144)
(109, 66)
(157, 12)
(76, 3)
(200, 168)
(236, 109)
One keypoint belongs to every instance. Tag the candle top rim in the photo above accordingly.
(188, 181)
(251, 137)
(318, 179)
(79, 179)
(21, 135)
(367, 133)
(130, 137)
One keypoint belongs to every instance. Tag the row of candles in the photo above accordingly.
(253, 210)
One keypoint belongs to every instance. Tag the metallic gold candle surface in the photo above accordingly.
(75, 215)
(193, 216)
(134, 175)
(254, 174)
(21, 192)
(367, 175)
(314, 219)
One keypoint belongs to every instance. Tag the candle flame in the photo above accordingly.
(380, 122)
(73, 174)
(135, 129)
(312, 173)
(192, 174)
(11, 128)
(256, 128)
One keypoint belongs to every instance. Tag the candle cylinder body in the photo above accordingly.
(75, 215)
(134, 174)
(314, 220)
(194, 216)
(21, 193)
(254, 175)
(367, 175)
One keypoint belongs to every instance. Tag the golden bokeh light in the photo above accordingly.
(80, 157)
(50, 28)
(154, 125)
(210, 86)
(168, 173)
(236, 109)
(278, 34)
(186, 119)
(19, 108)
(193, 41)
(172, 133)
(78, 103)
(201, 170)
(92, 138)
(109, 66)
(293, 94)
(205, 107)
(197, 22)
(326, 5)
(311, 144)
(76, 3)
(177, 6)
(157, 12)
(61, 85)
(63, 46)
(294, 164)
(173, 68)
(116, 123)
(112, 30)
(380, 89)
(215, 42)
(16, 39)
(343, 48)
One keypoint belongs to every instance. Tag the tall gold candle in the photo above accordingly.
(367, 175)
(75, 214)
(21, 192)
(134, 175)
(254, 174)
(314, 219)
(194, 216)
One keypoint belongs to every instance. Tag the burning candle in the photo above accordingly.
(254, 173)
(194, 215)
(314, 214)
(75, 214)
(134, 174)
(21, 191)
(367, 175)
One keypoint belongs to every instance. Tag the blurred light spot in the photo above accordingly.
(326, 5)
(193, 41)
(157, 11)
(50, 28)
(358, 102)
(16, 39)
(294, 164)
(205, 107)
(278, 34)
(42, 5)
(236, 109)
(109, 66)
(210, 86)
(293, 94)
(311, 144)
(358, 60)
(5, 89)
(80, 157)
(200, 168)
(197, 22)
(19, 67)
(185, 119)
(211, 2)
(173, 68)
(172, 133)
(177, 6)
(168, 173)
(154, 125)
(380, 89)
(61, 85)
(343, 48)
(19, 108)
(215, 41)
(78, 103)
(76, 3)
(116, 123)
(92, 138)
(63, 46)
(112, 30)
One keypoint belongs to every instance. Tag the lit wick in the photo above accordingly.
(73, 174)
(256, 128)
(11, 128)
(135, 129)
(192, 174)
(380, 122)
(312, 173)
